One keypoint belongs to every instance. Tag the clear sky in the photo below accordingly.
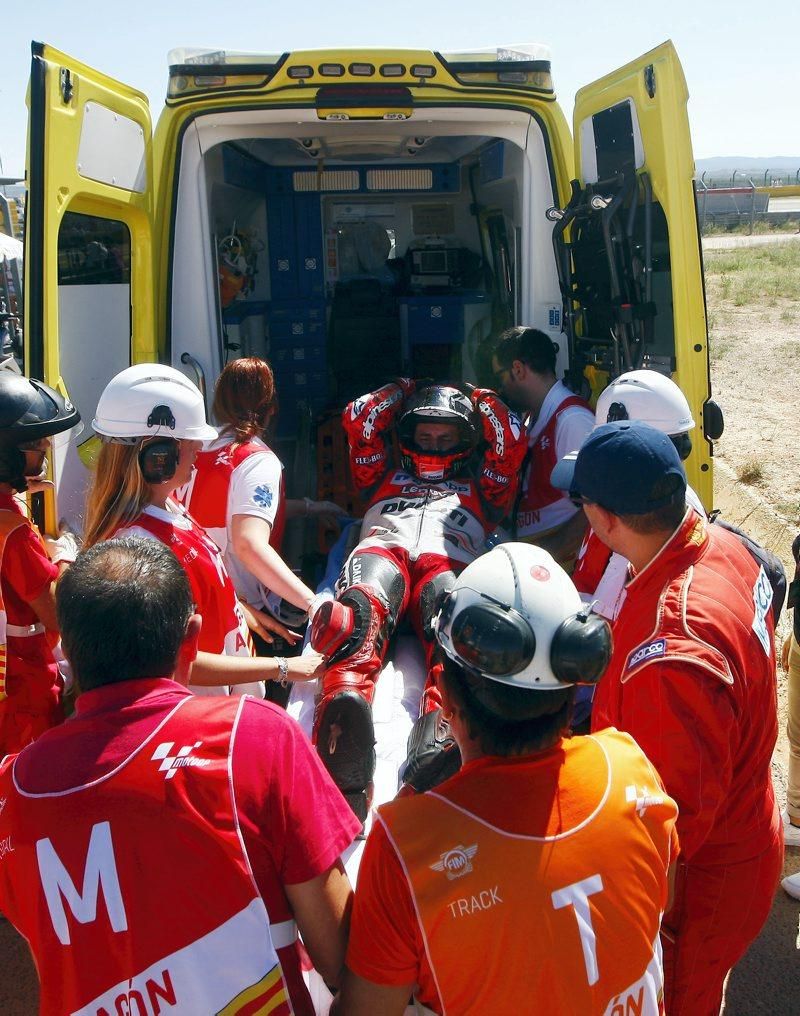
(741, 59)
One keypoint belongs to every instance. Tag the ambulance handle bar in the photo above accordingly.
(197, 367)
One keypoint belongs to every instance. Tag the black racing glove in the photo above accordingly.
(433, 755)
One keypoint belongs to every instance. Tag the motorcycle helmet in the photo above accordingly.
(29, 411)
(437, 404)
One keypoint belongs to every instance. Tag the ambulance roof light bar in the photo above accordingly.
(519, 52)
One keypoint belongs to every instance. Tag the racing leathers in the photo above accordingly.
(692, 679)
(415, 537)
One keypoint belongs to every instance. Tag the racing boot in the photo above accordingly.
(352, 632)
(432, 755)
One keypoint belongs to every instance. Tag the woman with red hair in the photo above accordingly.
(237, 492)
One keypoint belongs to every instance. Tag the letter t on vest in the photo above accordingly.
(100, 871)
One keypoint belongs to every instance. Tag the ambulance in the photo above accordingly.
(351, 215)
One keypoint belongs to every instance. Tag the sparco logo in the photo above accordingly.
(649, 651)
(456, 862)
(171, 763)
(499, 437)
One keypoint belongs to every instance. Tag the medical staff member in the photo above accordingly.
(152, 422)
(652, 398)
(534, 879)
(557, 422)
(30, 685)
(236, 492)
(162, 851)
(692, 679)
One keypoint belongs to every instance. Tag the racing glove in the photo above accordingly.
(432, 753)
(366, 421)
(507, 445)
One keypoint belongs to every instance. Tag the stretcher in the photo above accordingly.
(394, 710)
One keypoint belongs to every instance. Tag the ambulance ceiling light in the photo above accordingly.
(362, 70)
(300, 71)
(393, 70)
(423, 71)
(331, 70)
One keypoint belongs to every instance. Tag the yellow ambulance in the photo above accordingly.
(353, 215)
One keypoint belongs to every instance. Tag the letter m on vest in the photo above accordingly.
(99, 873)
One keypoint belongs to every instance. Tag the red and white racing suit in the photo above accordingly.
(416, 535)
(692, 679)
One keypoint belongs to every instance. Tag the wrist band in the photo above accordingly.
(283, 671)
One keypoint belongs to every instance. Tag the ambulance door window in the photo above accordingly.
(94, 312)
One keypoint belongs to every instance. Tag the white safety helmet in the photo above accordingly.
(149, 400)
(514, 616)
(648, 396)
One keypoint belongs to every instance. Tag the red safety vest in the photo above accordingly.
(537, 491)
(224, 628)
(135, 891)
(564, 922)
(9, 521)
(207, 495)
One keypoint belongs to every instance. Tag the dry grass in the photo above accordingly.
(750, 471)
(754, 275)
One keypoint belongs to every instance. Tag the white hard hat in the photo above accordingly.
(643, 395)
(648, 396)
(514, 616)
(149, 399)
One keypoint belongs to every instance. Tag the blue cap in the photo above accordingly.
(629, 468)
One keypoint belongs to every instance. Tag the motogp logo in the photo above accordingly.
(182, 758)
(457, 862)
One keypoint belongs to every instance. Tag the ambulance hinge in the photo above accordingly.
(67, 87)
(650, 80)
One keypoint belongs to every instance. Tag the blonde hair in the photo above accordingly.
(118, 493)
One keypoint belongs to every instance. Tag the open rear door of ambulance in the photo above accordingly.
(636, 295)
(89, 286)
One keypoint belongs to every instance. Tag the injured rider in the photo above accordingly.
(460, 461)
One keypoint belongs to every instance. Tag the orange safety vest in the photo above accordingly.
(9, 521)
(563, 922)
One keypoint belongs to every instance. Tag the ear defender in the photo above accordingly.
(581, 649)
(158, 459)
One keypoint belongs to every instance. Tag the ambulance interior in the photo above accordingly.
(346, 271)
(347, 257)
(346, 253)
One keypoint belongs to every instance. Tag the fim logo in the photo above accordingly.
(456, 862)
(182, 758)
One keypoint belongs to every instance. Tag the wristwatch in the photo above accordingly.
(283, 671)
